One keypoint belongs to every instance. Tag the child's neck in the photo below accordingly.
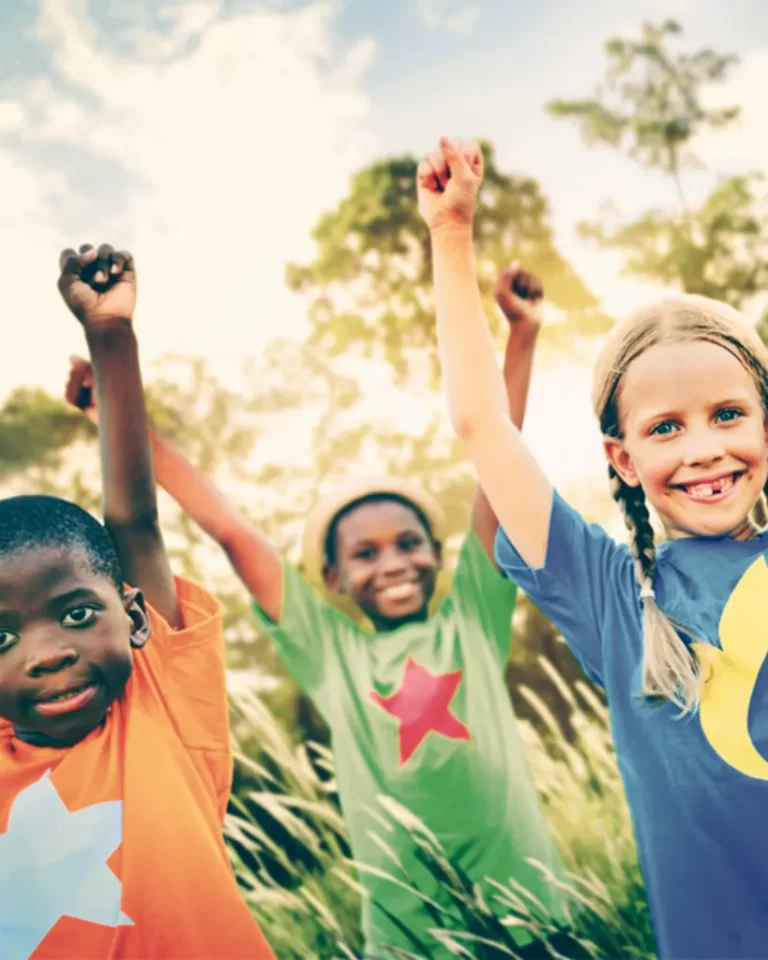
(389, 626)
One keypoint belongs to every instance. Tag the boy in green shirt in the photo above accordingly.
(418, 709)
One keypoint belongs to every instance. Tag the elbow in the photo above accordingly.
(464, 425)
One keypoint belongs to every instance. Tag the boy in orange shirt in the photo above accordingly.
(115, 762)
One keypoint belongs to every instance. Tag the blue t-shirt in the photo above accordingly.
(697, 787)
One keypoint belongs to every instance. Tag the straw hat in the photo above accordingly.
(322, 515)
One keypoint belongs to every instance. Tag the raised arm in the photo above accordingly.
(516, 487)
(519, 296)
(99, 287)
(253, 558)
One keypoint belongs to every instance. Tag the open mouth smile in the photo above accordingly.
(400, 591)
(711, 489)
(66, 701)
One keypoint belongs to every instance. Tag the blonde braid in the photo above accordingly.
(670, 668)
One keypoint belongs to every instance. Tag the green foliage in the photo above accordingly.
(370, 284)
(651, 101)
(316, 902)
(652, 105)
(717, 251)
(34, 429)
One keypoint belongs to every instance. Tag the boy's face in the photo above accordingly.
(65, 643)
(386, 562)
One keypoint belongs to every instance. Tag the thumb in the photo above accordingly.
(455, 159)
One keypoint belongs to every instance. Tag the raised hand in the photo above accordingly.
(448, 182)
(80, 389)
(98, 286)
(520, 296)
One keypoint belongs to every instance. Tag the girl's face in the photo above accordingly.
(693, 437)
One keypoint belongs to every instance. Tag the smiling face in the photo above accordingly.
(65, 643)
(385, 561)
(693, 436)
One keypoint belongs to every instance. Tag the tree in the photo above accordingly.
(651, 102)
(651, 105)
(370, 283)
(717, 251)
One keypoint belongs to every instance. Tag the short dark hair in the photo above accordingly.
(333, 527)
(33, 521)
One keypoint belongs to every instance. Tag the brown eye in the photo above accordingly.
(7, 640)
(410, 543)
(79, 617)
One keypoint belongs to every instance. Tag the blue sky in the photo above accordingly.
(208, 136)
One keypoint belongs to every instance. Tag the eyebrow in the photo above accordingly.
(77, 593)
(58, 601)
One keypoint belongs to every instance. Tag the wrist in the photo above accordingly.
(451, 234)
(110, 334)
(522, 335)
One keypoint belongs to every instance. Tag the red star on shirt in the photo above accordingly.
(422, 705)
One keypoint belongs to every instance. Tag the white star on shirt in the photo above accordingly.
(53, 864)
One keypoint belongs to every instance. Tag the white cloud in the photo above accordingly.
(452, 16)
(214, 149)
(11, 116)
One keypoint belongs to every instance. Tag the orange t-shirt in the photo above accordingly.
(113, 848)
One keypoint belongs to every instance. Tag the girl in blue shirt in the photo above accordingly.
(677, 634)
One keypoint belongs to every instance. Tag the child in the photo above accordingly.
(115, 763)
(418, 709)
(675, 634)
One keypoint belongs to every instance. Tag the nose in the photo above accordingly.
(703, 447)
(392, 561)
(50, 654)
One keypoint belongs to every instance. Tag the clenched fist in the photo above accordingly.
(520, 296)
(98, 286)
(448, 183)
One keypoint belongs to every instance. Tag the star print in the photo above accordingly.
(422, 705)
(53, 864)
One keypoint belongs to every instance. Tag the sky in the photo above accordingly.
(207, 136)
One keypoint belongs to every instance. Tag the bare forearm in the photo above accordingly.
(193, 491)
(253, 558)
(473, 380)
(518, 366)
(478, 403)
(126, 457)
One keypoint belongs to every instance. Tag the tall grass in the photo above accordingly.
(304, 888)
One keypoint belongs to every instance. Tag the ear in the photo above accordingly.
(332, 577)
(438, 547)
(136, 609)
(620, 460)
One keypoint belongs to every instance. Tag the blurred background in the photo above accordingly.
(259, 161)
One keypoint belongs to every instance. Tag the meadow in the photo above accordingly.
(304, 890)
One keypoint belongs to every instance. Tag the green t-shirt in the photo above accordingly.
(422, 714)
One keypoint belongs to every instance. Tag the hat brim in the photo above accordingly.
(322, 515)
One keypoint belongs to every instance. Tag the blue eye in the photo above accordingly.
(663, 429)
(728, 414)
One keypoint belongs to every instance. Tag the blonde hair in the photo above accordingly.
(670, 669)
